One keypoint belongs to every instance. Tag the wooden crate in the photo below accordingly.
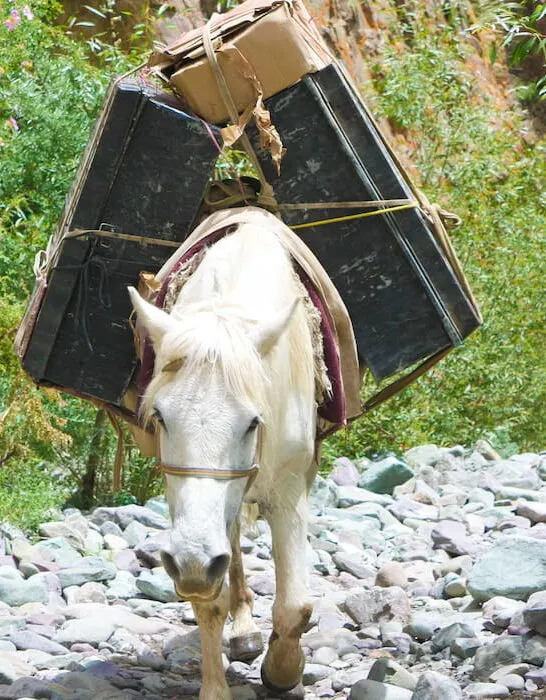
(133, 202)
(406, 299)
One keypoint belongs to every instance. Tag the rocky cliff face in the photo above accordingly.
(357, 33)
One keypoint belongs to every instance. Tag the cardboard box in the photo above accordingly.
(274, 41)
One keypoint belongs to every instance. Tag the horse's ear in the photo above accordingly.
(268, 332)
(154, 320)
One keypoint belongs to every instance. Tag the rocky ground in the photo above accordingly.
(428, 576)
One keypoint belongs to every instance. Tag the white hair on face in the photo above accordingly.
(212, 336)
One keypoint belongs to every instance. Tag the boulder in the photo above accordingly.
(514, 567)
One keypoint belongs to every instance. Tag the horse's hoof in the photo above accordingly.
(246, 647)
(296, 691)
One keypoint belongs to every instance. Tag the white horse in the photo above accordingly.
(234, 384)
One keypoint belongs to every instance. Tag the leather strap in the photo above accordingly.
(404, 381)
(212, 473)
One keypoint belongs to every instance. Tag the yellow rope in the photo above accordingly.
(351, 217)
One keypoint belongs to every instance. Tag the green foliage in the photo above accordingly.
(519, 27)
(470, 150)
(49, 97)
(469, 147)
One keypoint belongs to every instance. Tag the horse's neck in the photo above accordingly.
(248, 268)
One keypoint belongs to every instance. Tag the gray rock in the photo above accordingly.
(111, 528)
(313, 673)
(59, 550)
(511, 669)
(157, 585)
(388, 671)
(465, 647)
(30, 640)
(90, 630)
(512, 474)
(379, 604)
(391, 574)
(74, 529)
(481, 496)
(85, 686)
(486, 690)
(126, 560)
(91, 592)
(324, 656)
(534, 650)
(537, 677)
(514, 567)
(534, 612)
(422, 626)
(262, 584)
(455, 587)
(159, 505)
(354, 495)
(450, 536)
(385, 475)
(86, 570)
(344, 472)
(17, 591)
(323, 494)
(536, 512)
(135, 533)
(243, 692)
(502, 651)
(447, 635)
(123, 586)
(124, 515)
(501, 610)
(512, 681)
(407, 508)
(487, 450)
(434, 686)
(120, 616)
(423, 455)
(355, 563)
(372, 690)
(7, 672)
(93, 543)
(115, 542)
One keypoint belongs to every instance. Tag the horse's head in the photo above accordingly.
(209, 399)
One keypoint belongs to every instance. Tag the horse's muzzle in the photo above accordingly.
(197, 580)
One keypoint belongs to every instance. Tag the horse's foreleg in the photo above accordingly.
(283, 665)
(211, 618)
(246, 640)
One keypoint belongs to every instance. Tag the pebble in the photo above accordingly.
(427, 573)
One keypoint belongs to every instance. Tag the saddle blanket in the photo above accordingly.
(340, 355)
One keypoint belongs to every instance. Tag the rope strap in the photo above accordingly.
(352, 217)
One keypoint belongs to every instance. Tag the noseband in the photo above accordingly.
(207, 472)
(211, 473)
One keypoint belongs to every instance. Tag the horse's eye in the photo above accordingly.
(158, 417)
(254, 423)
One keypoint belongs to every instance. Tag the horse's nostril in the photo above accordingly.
(218, 567)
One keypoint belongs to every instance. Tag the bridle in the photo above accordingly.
(211, 473)
(200, 472)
